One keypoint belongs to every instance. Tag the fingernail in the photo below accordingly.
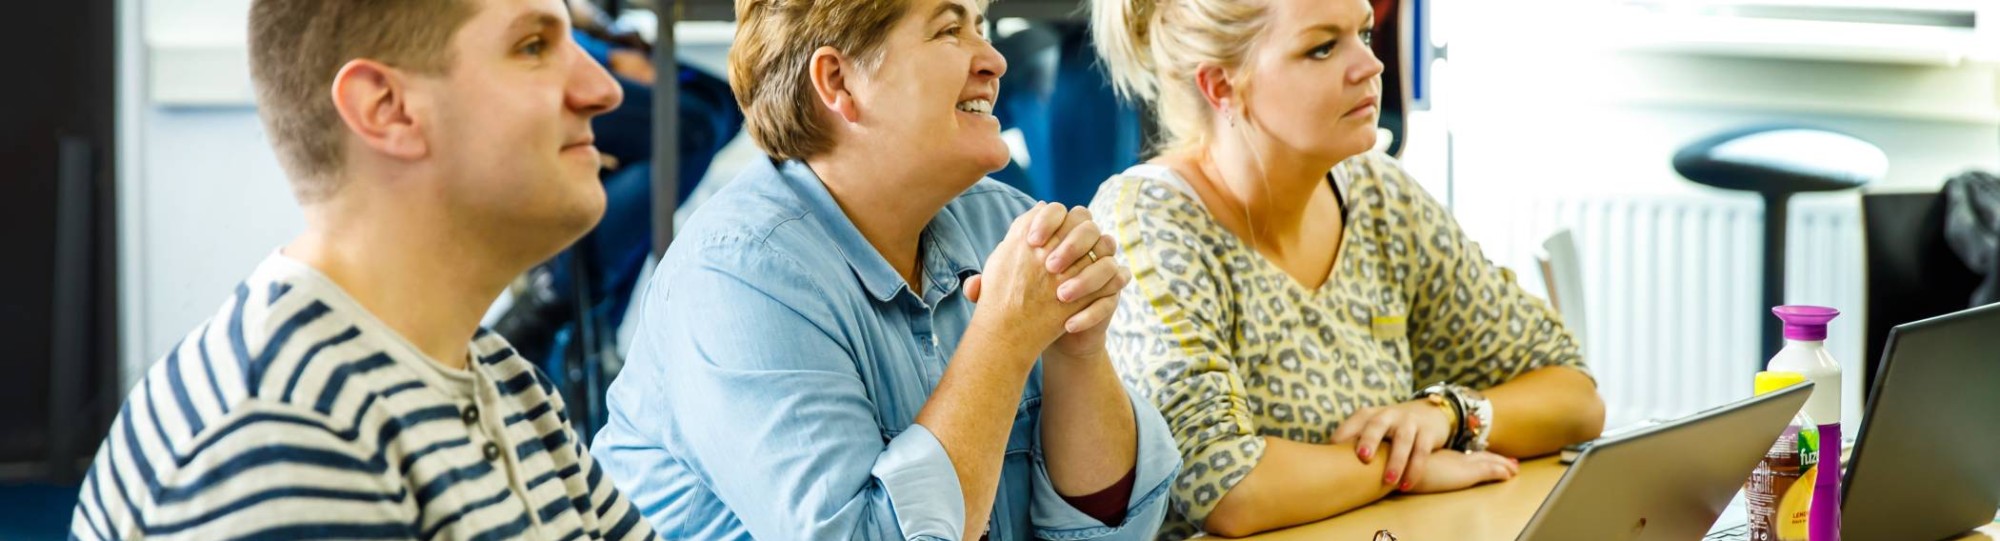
(1391, 478)
(1405, 487)
(1367, 455)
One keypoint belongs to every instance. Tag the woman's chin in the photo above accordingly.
(1356, 143)
(990, 158)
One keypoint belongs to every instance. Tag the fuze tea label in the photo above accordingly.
(1780, 490)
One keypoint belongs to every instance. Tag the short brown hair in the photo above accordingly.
(770, 64)
(298, 46)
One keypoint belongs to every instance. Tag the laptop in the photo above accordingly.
(1924, 465)
(1664, 482)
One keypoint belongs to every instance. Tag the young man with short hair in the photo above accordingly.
(438, 148)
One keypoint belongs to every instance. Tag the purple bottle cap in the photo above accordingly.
(1805, 322)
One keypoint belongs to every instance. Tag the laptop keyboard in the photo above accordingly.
(1738, 533)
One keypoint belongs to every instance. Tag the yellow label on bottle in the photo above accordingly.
(1779, 492)
(1795, 507)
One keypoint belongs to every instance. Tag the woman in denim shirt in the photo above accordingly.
(810, 363)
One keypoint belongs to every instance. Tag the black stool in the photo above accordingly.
(1776, 162)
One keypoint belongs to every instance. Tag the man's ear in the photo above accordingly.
(373, 101)
(829, 71)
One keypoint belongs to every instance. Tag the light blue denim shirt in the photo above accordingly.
(780, 362)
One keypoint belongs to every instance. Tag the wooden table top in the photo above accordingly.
(1494, 512)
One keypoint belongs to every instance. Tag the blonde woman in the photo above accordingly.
(1316, 329)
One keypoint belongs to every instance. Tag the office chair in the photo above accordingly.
(1562, 275)
(1912, 273)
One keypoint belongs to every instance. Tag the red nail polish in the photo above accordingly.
(1390, 479)
(1406, 486)
(1367, 454)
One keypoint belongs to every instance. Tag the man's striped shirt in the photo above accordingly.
(296, 414)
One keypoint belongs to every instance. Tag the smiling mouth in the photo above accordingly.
(976, 106)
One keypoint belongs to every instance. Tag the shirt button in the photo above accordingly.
(492, 451)
(470, 415)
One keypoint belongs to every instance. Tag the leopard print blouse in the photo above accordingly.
(1232, 349)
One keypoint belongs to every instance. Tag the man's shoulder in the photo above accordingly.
(284, 328)
(186, 456)
(277, 390)
(281, 342)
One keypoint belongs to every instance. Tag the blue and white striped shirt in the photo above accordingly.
(296, 414)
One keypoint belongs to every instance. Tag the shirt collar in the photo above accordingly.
(948, 257)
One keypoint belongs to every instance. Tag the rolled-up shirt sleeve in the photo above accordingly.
(1156, 464)
(759, 398)
(921, 485)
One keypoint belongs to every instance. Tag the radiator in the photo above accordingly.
(1671, 289)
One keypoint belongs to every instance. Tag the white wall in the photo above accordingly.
(215, 203)
(1558, 101)
(1542, 101)
(202, 198)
